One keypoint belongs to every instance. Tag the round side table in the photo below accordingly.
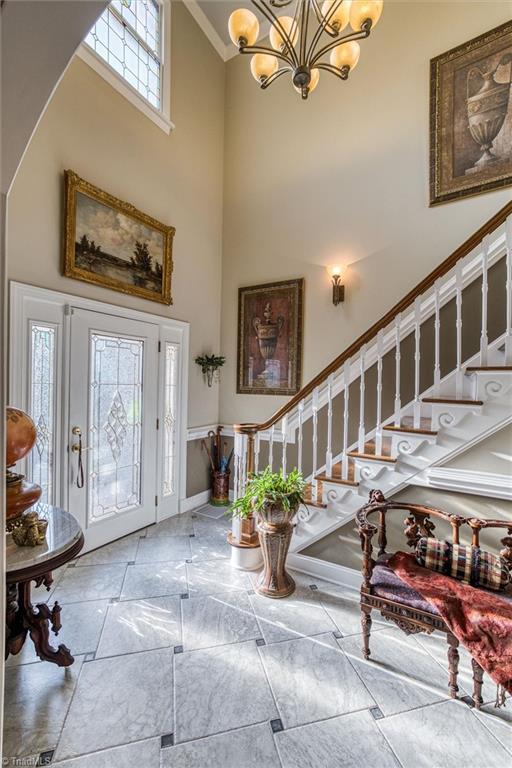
(64, 540)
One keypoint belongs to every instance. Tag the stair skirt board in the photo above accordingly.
(321, 569)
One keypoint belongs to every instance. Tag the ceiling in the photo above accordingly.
(213, 15)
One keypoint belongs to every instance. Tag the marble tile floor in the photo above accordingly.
(179, 664)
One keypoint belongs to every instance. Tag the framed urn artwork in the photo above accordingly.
(471, 117)
(110, 243)
(270, 320)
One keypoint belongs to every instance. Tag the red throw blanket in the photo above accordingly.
(480, 620)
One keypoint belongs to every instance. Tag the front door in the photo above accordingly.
(113, 402)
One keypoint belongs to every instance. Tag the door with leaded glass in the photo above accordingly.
(114, 436)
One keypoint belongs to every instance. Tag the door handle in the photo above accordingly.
(77, 448)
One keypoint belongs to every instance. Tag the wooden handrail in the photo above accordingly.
(497, 220)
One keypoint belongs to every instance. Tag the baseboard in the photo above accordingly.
(338, 574)
(199, 500)
(192, 502)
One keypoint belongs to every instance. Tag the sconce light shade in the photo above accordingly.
(338, 289)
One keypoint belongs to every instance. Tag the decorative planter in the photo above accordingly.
(220, 489)
(245, 545)
(275, 528)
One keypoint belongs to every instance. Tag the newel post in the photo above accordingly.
(244, 538)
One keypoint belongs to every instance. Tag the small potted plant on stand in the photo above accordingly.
(275, 499)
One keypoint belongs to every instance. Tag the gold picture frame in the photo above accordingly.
(111, 243)
(471, 117)
(270, 332)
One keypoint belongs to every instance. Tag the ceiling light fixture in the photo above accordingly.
(297, 52)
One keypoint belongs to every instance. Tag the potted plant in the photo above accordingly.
(274, 498)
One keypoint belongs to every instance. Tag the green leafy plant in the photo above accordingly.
(210, 365)
(269, 487)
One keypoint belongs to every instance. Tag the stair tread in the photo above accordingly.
(372, 456)
(337, 480)
(407, 425)
(454, 400)
(369, 451)
(336, 474)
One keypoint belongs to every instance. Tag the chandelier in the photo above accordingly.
(297, 52)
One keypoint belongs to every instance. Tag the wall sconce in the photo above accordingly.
(338, 289)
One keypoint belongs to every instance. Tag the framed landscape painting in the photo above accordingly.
(270, 320)
(110, 243)
(471, 117)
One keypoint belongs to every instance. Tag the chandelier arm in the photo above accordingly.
(324, 26)
(346, 39)
(282, 4)
(271, 51)
(270, 16)
(270, 80)
(320, 18)
(333, 71)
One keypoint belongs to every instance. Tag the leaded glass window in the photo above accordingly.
(41, 466)
(127, 36)
(170, 409)
(115, 425)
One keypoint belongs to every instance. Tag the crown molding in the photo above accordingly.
(225, 51)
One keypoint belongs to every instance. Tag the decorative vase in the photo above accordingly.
(487, 109)
(267, 333)
(220, 488)
(275, 528)
(21, 434)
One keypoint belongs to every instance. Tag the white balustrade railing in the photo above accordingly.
(388, 341)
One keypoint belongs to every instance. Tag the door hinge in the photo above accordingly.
(158, 423)
(156, 501)
(159, 346)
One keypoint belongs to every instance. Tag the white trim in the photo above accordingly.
(162, 117)
(196, 433)
(486, 484)
(194, 502)
(338, 574)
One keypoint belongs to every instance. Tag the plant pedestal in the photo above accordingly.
(275, 581)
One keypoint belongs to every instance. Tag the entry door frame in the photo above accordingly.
(30, 304)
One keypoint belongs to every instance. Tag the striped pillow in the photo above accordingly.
(466, 563)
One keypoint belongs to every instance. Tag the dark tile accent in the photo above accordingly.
(184, 596)
(167, 740)
(251, 592)
(260, 641)
(191, 535)
(337, 634)
(114, 600)
(70, 565)
(89, 657)
(276, 726)
(131, 562)
(45, 758)
(313, 586)
(188, 561)
(376, 713)
(468, 700)
(178, 649)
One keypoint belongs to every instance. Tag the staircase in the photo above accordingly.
(429, 380)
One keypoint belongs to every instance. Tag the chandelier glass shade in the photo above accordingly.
(315, 38)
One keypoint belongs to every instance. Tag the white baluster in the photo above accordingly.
(437, 338)
(236, 466)
(378, 427)
(361, 433)
(299, 438)
(459, 376)
(328, 453)
(257, 452)
(398, 403)
(484, 341)
(284, 438)
(508, 330)
(271, 448)
(417, 356)
(314, 483)
(346, 382)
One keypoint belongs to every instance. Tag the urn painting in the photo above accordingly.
(270, 338)
(110, 243)
(471, 117)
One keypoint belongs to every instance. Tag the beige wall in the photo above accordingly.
(177, 179)
(343, 178)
